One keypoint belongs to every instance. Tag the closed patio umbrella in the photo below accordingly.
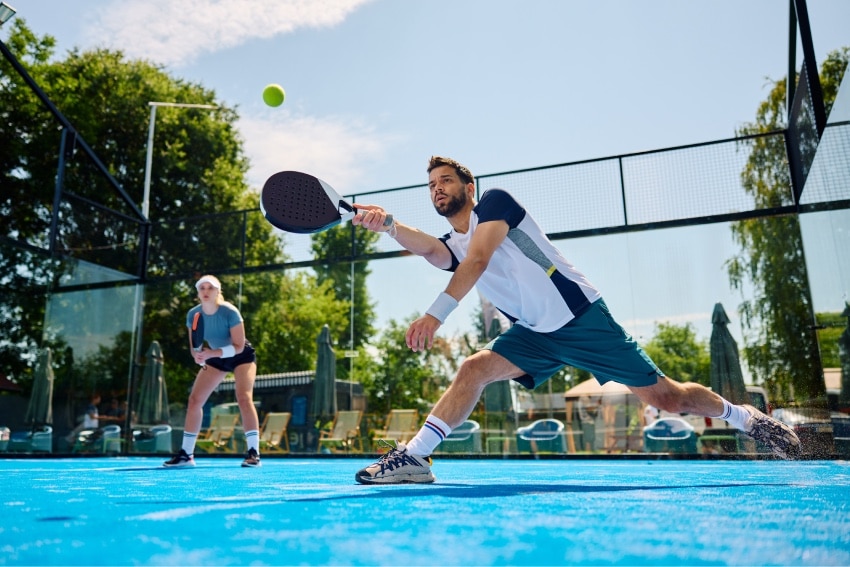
(727, 379)
(324, 385)
(40, 407)
(152, 404)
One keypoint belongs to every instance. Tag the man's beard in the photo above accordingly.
(452, 205)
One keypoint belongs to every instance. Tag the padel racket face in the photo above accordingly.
(197, 331)
(301, 203)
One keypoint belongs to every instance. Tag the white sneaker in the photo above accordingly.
(396, 466)
(779, 437)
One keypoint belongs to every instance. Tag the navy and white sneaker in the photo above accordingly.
(780, 438)
(181, 459)
(397, 466)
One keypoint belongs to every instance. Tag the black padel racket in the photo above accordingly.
(301, 203)
(198, 332)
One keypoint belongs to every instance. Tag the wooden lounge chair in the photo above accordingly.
(345, 433)
(219, 435)
(273, 433)
(402, 426)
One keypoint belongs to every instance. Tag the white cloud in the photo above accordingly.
(175, 33)
(337, 150)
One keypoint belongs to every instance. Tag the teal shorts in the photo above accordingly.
(593, 341)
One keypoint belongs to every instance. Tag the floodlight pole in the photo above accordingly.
(149, 160)
(138, 307)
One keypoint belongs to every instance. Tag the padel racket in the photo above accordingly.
(198, 332)
(301, 203)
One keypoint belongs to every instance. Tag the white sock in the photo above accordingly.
(736, 416)
(252, 439)
(432, 434)
(189, 442)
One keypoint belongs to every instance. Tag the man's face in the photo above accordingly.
(448, 193)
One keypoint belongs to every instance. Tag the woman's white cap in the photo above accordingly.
(212, 280)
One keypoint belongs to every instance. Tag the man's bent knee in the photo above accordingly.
(484, 367)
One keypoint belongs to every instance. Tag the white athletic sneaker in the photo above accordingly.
(779, 437)
(181, 459)
(396, 466)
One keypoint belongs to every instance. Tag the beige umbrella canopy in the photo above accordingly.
(592, 388)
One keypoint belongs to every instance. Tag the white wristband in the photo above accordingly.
(442, 306)
(228, 351)
(392, 232)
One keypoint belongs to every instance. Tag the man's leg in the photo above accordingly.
(680, 397)
(459, 400)
(690, 397)
(411, 463)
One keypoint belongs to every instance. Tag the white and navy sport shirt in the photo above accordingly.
(527, 278)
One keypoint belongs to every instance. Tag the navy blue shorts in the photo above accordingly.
(247, 356)
(593, 341)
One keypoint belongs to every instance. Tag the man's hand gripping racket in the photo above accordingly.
(301, 203)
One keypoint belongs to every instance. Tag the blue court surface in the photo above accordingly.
(131, 511)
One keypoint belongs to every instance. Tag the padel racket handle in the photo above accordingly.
(350, 215)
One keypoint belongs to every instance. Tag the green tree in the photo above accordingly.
(105, 371)
(202, 211)
(26, 271)
(334, 246)
(832, 325)
(679, 353)
(398, 377)
(781, 349)
(287, 324)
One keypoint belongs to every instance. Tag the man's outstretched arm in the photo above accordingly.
(412, 239)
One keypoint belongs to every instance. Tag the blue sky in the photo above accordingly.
(374, 87)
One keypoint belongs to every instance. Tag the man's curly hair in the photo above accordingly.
(462, 171)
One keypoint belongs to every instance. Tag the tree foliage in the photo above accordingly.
(781, 348)
(679, 353)
(397, 377)
(334, 246)
(832, 326)
(202, 212)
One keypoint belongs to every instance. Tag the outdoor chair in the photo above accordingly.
(110, 439)
(106, 439)
(162, 438)
(465, 438)
(542, 436)
(219, 435)
(273, 433)
(402, 425)
(37, 440)
(153, 439)
(344, 434)
(670, 435)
